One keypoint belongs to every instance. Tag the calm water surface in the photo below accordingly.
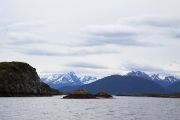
(119, 108)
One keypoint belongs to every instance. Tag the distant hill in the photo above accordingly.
(174, 88)
(20, 79)
(117, 84)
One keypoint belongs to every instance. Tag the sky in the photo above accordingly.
(94, 37)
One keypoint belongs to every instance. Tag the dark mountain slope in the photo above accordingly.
(117, 84)
(174, 88)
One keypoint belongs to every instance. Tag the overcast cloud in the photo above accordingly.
(80, 35)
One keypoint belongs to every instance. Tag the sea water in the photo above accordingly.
(118, 108)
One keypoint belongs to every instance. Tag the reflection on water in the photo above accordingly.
(119, 108)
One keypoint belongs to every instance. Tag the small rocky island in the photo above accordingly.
(102, 95)
(20, 79)
(83, 94)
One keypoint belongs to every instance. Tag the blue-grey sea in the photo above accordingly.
(118, 108)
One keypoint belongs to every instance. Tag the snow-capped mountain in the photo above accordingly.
(163, 82)
(67, 79)
(155, 77)
(61, 80)
(171, 79)
(139, 74)
(87, 79)
(168, 80)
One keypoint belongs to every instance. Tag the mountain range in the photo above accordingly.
(135, 82)
(68, 79)
(71, 79)
(21, 79)
(165, 82)
(117, 84)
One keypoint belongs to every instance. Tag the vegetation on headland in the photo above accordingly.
(83, 94)
(20, 79)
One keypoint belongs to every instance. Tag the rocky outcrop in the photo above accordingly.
(103, 95)
(83, 94)
(20, 79)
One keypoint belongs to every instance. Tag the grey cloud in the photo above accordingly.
(86, 65)
(98, 35)
(165, 27)
(161, 22)
(26, 24)
(21, 33)
(83, 52)
(10, 25)
(175, 34)
(98, 40)
(145, 68)
(112, 33)
(38, 52)
(21, 38)
(131, 32)
(149, 69)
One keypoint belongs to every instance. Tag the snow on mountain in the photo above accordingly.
(161, 81)
(67, 79)
(171, 79)
(155, 77)
(87, 79)
(71, 79)
(139, 74)
(61, 80)
(168, 80)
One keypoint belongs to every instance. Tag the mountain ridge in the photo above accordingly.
(117, 84)
(67, 79)
(56, 80)
(165, 82)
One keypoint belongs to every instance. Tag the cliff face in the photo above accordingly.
(20, 79)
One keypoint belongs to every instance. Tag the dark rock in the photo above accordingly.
(79, 94)
(103, 95)
(83, 94)
(20, 79)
